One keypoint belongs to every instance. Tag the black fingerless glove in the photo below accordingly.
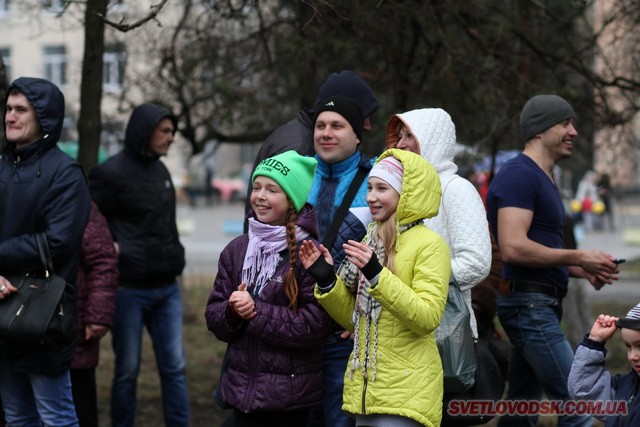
(372, 268)
(323, 273)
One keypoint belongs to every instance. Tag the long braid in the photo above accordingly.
(290, 282)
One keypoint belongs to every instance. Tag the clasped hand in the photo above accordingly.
(242, 303)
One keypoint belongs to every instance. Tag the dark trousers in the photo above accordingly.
(85, 397)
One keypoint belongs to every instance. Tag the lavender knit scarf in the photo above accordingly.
(262, 257)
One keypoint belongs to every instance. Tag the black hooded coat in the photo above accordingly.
(133, 190)
(42, 189)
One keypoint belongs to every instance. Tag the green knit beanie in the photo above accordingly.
(293, 172)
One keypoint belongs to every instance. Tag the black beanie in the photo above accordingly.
(542, 112)
(349, 84)
(347, 108)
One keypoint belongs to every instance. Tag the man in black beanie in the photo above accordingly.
(297, 134)
(526, 214)
(338, 129)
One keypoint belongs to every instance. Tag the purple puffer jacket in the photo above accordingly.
(273, 360)
(97, 283)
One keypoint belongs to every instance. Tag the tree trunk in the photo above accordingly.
(90, 121)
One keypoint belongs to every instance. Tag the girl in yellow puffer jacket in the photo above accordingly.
(390, 292)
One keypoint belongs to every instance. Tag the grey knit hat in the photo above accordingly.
(631, 320)
(542, 112)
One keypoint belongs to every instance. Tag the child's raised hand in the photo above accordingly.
(243, 303)
(603, 328)
(310, 254)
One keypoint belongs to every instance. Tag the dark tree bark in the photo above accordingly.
(90, 121)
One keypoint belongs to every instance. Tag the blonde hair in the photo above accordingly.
(387, 233)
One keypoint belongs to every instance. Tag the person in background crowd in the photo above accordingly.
(97, 285)
(527, 214)
(43, 191)
(604, 193)
(587, 194)
(391, 292)
(262, 303)
(134, 192)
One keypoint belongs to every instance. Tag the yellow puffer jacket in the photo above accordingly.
(408, 380)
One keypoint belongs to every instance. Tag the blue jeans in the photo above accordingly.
(336, 354)
(37, 399)
(540, 355)
(160, 311)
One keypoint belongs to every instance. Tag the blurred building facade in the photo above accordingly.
(45, 38)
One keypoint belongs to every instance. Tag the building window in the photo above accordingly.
(5, 54)
(113, 72)
(55, 64)
(4, 8)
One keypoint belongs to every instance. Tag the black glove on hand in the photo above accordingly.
(372, 268)
(323, 273)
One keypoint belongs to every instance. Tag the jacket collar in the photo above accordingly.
(340, 168)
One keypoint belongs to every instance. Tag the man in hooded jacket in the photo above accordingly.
(133, 190)
(42, 190)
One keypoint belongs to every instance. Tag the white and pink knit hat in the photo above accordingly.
(390, 170)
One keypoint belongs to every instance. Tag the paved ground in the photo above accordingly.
(205, 231)
(628, 287)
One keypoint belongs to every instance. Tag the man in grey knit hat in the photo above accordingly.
(526, 214)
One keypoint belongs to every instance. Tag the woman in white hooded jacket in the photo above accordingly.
(462, 219)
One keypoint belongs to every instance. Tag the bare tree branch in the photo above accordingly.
(121, 26)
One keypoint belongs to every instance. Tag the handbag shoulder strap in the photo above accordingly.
(45, 255)
(344, 206)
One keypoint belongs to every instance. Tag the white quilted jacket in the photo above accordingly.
(462, 219)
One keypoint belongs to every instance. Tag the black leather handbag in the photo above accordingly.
(43, 311)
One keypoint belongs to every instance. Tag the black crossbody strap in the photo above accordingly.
(45, 255)
(341, 213)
